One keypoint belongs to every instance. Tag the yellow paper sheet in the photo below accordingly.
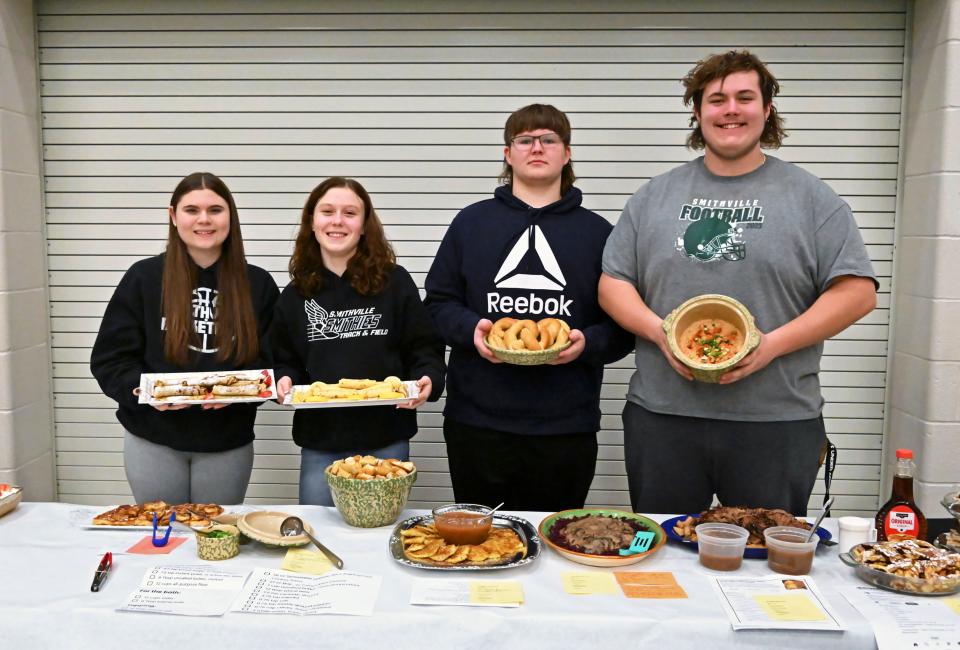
(954, 604)
(790, 607)
(581, 584)
(301, 560)
(495, 592)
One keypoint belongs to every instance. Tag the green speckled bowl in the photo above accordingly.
(369, 504)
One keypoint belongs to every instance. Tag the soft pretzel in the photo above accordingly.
(527, 335)
(522, 335)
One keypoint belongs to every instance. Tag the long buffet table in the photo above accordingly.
(47, 563)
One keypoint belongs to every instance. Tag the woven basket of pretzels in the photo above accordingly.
(528, 342)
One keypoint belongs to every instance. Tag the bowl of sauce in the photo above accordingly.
(788, 551)
(463, 523)
(721, 545)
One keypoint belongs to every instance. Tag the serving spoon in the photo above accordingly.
(816, 524)
(293, 526)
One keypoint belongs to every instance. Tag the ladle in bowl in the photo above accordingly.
(293, 526)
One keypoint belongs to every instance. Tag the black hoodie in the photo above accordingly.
(130, 342)
(339, 334)
(501, 257)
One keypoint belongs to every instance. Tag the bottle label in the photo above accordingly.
(901, 520)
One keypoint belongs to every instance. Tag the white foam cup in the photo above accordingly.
(855, 530)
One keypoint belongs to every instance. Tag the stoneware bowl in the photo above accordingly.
(219, 548)
(373, 503)
(264, 527)
(711, 306)
(589, 559)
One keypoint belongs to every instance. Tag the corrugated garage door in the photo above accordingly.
(276, 96)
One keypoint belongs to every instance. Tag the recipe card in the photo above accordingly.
(272, 591)
(775, 602)
(904, 621)
(468, 593)
(588, 584)
(302, 560)
(186, 591)
(649, 584)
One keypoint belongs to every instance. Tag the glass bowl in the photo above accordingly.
(936, 586)
(463, 523)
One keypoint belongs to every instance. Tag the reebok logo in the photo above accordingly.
(531, 249)
(509, 278)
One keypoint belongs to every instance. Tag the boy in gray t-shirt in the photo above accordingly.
(760, 230)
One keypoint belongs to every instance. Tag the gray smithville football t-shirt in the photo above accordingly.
(773, 239)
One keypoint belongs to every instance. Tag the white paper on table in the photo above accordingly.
(186, 591)
(431, 591)
(274, 591)
(905, 621)
(775, 602)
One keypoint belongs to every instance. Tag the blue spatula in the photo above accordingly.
(640, 544)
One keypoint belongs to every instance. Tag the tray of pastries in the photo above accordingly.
(206, 387)
(352, 392)
(140, 516)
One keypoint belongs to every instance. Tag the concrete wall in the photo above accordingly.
(26, 425)
(924, 408)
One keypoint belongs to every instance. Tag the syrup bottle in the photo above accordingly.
(900, 517)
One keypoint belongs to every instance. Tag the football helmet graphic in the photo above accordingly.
(711, 239)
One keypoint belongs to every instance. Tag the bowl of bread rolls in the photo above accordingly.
(710, 334)
(368, 491)
(526, 342)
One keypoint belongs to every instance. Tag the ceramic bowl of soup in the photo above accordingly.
(710, 334)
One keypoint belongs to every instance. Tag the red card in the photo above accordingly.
(145, 546)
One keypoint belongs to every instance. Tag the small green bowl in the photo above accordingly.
(371, 503)
(218, 548)
(711, 305)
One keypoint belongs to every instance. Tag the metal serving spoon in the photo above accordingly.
(293, 526)
(816, 524)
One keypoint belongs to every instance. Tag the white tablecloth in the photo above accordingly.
(47, 564)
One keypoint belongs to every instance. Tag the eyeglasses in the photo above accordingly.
(546, 140)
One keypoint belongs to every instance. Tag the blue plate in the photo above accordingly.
(750, 553)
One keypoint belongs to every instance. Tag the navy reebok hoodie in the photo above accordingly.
(501, 257)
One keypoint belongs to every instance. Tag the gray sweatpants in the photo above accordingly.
(159, 472)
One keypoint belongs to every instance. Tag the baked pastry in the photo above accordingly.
(191, 514)
(528, 335)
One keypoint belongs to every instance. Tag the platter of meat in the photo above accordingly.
(206, 387)
(595, 536)
(755, 520)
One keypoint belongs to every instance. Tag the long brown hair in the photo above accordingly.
(719, 66)
(236, 324)
(531, 118)
(369, 267)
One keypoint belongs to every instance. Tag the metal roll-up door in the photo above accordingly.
(276, 96)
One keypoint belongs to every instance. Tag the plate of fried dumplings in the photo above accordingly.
(352, 392)
(513, 542)
(528, 342)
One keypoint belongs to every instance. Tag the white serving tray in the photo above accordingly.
(413, 392)
(147, 381)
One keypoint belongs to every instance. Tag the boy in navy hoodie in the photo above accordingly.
(524, 435)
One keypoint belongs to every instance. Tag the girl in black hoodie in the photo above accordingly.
(197, 307)
(350, 311)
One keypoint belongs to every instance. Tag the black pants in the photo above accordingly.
(548, 473)
(676, 464)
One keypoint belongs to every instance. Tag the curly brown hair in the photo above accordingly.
(719, 66)
(531, 118)
(369, 267)
(236, 323)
